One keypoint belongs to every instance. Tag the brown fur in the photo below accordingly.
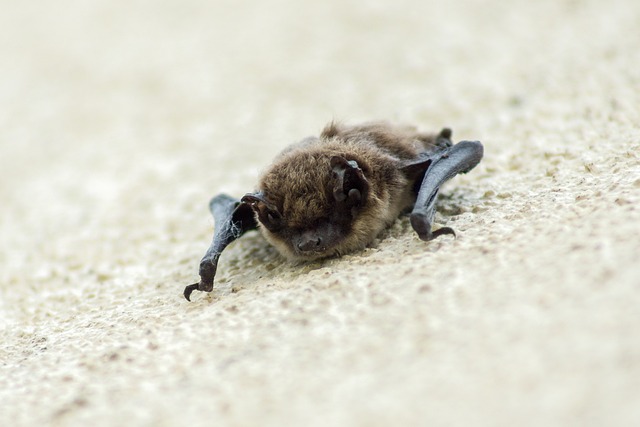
(299, 183)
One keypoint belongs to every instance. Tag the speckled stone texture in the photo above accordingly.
(119, 120)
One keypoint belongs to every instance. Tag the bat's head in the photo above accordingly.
(316, 204)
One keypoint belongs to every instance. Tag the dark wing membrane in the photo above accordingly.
(439, 166)
(232, 219)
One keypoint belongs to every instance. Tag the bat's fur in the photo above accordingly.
(299, 186)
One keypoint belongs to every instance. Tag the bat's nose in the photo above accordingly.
(307, 244)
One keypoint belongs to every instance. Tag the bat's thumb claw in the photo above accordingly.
(204, 286)
(442, 231)
(189, 289)
(421, 225)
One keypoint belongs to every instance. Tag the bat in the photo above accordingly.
(333, 194)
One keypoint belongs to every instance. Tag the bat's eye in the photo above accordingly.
(272, 220)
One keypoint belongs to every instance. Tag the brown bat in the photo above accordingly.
(329, 195)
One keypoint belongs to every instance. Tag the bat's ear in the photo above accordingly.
(267, 212)
(349, 183)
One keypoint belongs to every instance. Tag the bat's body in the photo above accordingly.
(334, 194)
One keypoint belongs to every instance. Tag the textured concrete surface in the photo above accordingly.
(119, 120)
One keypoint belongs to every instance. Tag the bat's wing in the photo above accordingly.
(232, 219)
(441, 164)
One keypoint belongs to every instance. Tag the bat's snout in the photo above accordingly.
(309, 243)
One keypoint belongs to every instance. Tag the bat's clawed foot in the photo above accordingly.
(422, 226)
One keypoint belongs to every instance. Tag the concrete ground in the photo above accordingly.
(119, 120)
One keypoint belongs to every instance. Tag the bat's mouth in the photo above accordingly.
(314, 255)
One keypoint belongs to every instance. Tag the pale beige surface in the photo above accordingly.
(118, 121)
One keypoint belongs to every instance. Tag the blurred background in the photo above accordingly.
(119, 120)
(147, 100)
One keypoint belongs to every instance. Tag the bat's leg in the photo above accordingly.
(232, 218)
(459, 158)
